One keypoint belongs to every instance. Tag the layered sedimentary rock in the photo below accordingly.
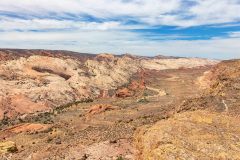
(191, 135)
(38, 80)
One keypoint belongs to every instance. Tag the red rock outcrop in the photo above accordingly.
(15, 105)
(28, 127)
(99, 108)
(124, 92)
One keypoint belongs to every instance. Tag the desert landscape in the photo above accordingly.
(119, 80)
(67, 105)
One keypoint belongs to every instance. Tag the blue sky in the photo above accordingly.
(194, 28)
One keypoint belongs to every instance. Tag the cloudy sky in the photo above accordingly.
(195, 28)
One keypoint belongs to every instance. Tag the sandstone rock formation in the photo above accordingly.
(98, 102)
(7, 146)
(191, 135)
(124, 92)
(222, 89)
(38, 81)
(205, 128)
(28, 128)
(175, 63)
(99, 108)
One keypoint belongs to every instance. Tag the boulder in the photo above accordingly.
(7, 147)
(123, 93)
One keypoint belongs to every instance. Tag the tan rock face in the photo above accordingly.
(7, 147)
(191, 135)
(161, 64)
(221, 87)
(36, 83)
(224, 75)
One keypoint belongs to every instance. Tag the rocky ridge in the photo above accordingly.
(38, 80)
(203, 128)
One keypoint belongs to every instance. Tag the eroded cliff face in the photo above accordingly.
(50, 82)
(205, 127)
(38, 81)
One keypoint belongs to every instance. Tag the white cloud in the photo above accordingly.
(46, 24)
(215, 11)
(108, 30)
(151, 12)
(234, 34)
(122, 42)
